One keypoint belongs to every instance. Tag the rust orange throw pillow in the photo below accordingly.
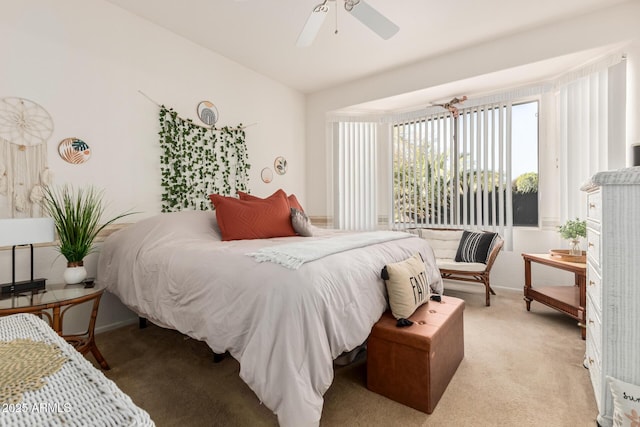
(293, 200)
(294, 203)
(253, 219)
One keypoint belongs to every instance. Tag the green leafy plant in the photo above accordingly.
(526, 183)
(76, 214)
(573, 229)
(197, 161)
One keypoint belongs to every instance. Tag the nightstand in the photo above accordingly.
(58, 298)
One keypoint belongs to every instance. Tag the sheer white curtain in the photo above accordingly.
(587, 104)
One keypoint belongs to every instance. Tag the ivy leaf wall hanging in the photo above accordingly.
(197, 161)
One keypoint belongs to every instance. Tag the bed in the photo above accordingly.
(285, 326)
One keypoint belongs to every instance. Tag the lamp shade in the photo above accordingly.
(24, 231)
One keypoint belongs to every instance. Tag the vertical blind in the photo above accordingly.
(437, 156)
(356, 148)
(583, 111)
(454, 171)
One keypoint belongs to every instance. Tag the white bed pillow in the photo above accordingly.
(626, 403)
(407, 285)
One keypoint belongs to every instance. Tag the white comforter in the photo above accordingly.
(284, 326)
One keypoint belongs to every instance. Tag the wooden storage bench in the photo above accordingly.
(413, 365)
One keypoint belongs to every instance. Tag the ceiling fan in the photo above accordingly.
(366, 14)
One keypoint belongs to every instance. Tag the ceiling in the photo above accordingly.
(261, 34)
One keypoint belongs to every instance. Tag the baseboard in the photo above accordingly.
(506, 288)
(116, 325)
(476, 287)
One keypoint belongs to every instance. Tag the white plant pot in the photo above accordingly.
(74, 274)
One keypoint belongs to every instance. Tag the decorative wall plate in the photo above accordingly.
(208, 113)
(266, 175)
(280, 165)
(74, 150)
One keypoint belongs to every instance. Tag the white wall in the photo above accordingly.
(84, 62)
(614, 25)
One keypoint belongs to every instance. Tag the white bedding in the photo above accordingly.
(293, 255)
(284, 326)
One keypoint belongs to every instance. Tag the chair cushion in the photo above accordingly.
(451, 264)
(444, 242)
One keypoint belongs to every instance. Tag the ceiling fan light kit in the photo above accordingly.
(366, 14)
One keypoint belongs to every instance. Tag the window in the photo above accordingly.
(480, 170)
(524, 164)
(457, 171)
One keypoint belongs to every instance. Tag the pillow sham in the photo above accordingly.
(294, 203)
(407, 285)
(291, 198)
(475, 247)
(626, 403)
(301, 223)
(253, 219)
(246, 196)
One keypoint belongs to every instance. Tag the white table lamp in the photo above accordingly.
(24, 232)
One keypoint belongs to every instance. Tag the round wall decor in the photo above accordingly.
(74, 150)
(280, 165)
(208, 113)
(266, 175)
(23, 122)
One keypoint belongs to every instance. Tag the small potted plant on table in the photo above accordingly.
(572, 230)
(76, 214)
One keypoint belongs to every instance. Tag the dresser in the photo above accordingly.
(613, 283)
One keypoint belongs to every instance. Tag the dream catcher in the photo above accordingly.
(24, 129)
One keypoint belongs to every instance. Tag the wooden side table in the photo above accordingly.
(571, 300)
(60, 298)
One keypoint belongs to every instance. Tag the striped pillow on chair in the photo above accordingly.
(475, 247)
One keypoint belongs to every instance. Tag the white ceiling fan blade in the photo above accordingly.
(312, 26)
(373, 19)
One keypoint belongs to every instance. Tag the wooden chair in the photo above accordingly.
(482, 277)
(445, 242)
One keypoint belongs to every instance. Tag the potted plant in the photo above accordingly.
(76, 214)
(572, 230)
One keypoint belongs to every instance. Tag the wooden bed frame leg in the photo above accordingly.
(218, 357)
(142, 322)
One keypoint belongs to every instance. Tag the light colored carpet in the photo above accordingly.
(520, 369)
